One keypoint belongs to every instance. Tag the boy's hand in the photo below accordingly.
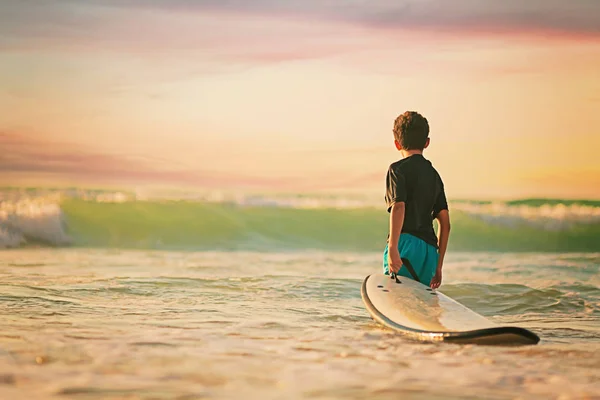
(394, 261)
(437, 279)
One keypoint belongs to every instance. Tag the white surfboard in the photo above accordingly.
(421, 313)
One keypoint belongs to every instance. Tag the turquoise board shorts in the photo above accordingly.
(423, 257)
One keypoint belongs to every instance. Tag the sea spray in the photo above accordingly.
(37, 220)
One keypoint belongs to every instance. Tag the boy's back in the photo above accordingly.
(415, 181)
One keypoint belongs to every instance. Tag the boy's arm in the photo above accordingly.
(443, 219)
(396, 223)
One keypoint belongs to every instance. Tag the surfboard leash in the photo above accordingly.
(410, 269)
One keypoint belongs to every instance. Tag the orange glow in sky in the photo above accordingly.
(295, 99)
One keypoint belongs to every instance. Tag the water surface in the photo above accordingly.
(103, 324)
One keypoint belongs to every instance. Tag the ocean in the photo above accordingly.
(113, 296)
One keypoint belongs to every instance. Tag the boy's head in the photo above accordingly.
(411, 131)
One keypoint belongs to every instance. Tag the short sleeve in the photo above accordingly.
(395, 188)
(440, 203)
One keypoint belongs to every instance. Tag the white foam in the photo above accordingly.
(547, 217)
(264, 200)
(39, 219)
(118, 197)
(10, 239)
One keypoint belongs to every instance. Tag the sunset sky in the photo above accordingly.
(300, 95)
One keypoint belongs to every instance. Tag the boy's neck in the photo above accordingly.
(408, 153)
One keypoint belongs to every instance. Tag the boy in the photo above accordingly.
(415, 197)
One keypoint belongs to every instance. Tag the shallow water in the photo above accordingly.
(99, 324)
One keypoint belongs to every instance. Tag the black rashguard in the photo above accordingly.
(414, 181)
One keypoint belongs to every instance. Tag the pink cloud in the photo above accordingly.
(30, 157)
(266, 31)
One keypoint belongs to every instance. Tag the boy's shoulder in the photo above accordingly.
(414, 162)
(413, 166)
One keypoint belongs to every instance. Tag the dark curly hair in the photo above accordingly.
(411, 130)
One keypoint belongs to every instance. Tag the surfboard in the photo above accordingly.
(424, 314)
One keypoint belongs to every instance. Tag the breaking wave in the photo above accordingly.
(215, 222)
(36, 221)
